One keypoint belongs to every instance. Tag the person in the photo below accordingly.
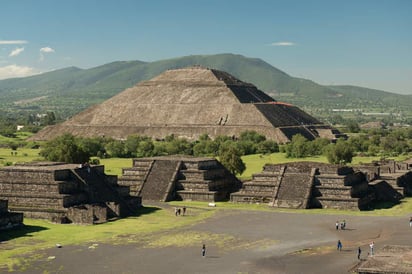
(343, 225)
(337, 225)
(203, 250)
(184, 211)
(175, 211)
(410, 222)
(339, 245)
(179, 211)
(359, 252)
(371, 246)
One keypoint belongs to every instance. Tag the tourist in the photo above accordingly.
(371, 246)
(410, 222)
(184, 211)
(179, 211)
(339, 247)
(175, 211)
(359, 252)
(343, 224)
(203, 250)
(337, 225)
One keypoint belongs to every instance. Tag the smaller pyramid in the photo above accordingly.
(190, 102)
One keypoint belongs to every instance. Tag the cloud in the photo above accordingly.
(283, 44)
(13, 71)
(13, 42)
(46, 50)
(16, 52)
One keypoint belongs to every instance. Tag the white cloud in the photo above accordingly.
(16, 52)
(13, 71)
(283, 44)
(47, 50)
(13, 42)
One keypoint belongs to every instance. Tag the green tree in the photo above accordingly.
(65, 148)
(297, 148)
(230, 157)
(339, 153)
(145, 149)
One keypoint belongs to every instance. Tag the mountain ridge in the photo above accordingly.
(70, 90)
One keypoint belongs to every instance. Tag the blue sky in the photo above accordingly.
(359, 42)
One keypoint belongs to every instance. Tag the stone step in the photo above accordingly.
(37, 209)
(186, 195)
(247, 198)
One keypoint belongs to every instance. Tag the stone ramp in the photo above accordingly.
(295, 189)
(159, 180)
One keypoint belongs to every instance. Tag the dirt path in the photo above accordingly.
(261, 242)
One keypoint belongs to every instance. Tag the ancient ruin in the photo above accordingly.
(9, 219)
(65, 193)
(390, 259)
(317, 185)
(190, 102)
(179, 178)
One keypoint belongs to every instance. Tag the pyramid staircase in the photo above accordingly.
(179, 178)
(294, 190)
(262, 188)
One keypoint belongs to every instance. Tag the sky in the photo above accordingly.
(366, 43)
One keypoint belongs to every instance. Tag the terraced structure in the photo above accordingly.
(65, 193)
(190, 102)
(317, 185)
(179, 178)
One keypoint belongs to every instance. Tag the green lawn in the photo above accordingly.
(8, 155)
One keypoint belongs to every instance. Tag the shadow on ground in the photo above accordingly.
(22, 231)
(144, 210)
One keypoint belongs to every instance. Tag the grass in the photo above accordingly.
(113, 166)
(38, 235)
(154, 227)
(8, 155)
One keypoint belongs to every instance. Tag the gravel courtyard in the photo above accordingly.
(260, 242)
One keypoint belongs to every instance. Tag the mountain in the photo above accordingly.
(70, 90)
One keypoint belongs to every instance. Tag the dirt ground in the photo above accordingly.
(266, 242)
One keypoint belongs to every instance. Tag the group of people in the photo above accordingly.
(341, 224)
(339, 247)
(180, 211)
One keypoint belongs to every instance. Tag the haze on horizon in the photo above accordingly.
(364, 43)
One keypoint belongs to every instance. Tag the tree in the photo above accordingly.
(339, 153)
(297, 148)
(230, 158)
(65, 148)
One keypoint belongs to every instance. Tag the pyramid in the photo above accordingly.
(190, 102)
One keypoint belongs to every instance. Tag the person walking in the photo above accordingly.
(203, 250)
(339, 246)
(410, 222)
(359, 252)
(371, 246)
(337, 225)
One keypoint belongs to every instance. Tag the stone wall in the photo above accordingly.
(49, 191)
(8, 219)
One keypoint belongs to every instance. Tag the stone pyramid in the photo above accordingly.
(190, 102)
